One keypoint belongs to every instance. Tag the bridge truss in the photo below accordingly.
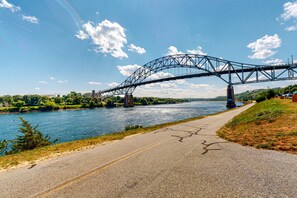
(183, 66)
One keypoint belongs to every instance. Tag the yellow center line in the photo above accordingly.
(98, 169)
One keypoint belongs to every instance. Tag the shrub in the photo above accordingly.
(131, 127)
(3, 146)
(31, 138)
(19, 103)
(49, 106)
(109, 104)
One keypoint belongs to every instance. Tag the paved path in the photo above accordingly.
(186, 160)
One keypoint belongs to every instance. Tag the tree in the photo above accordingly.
(3, 146)
(31, 138)
(48, 106)
(109, 103)
(19, 103)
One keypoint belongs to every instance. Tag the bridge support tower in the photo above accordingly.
(128, 100)
(230, 97)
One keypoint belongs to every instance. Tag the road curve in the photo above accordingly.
(185, 160)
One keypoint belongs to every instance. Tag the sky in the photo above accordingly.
(58, 46)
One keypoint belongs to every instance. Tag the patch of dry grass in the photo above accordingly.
(268, 125)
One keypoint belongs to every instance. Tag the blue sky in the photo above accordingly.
(56, 46)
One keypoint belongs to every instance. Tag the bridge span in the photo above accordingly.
(183, 66)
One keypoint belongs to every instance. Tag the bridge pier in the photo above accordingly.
(128, 100)
(230, 97)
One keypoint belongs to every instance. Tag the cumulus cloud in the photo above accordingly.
(290, 13)
(134, 48)
(93, 83)
(160, 75)
(291, 28)
(172, 50)
(5, 4)
(42, 82)
(275, 61)
(82, 35)
(113, 84)
(127, 70)
(108, 37)
(31, 19)
(198, 50)
(262, 47)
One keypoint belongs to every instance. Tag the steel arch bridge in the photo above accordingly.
(194, 65)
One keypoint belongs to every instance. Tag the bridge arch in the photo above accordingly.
(231, 72)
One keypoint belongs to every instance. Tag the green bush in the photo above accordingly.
(3, 146)
(131, 127)
(31, 138)
(19, 103)
(265, 95)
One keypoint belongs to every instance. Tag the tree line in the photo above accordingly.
(73, 100)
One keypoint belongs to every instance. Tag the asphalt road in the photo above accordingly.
(186, 160)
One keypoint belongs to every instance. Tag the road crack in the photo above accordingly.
(206, 149)
(190, 134)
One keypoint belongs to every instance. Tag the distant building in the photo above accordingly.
(93, 94)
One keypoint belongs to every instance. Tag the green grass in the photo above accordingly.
(268, 110)
(267, 125)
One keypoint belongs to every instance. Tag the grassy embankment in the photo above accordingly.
(271, 124)
(58, 149)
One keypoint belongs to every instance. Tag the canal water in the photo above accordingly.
(79, 124)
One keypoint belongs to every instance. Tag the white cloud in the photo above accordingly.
(290, 10)
(127, 70)
(199, 85)
(291, 28)
(31, 19)
(82, 35)
(62, 81)
(275, 61)
(160, 85)
(42, 82)
(113, 84)
(93, 83)
(52, 78)
(109, 37)
(10, 6)
(37, 88)
(134, 48)
(262, 47)
(198, 50)
(173, 50)
(181, 81)
(160, 75)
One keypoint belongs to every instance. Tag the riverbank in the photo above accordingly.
(34, 109)
(66, 147)
(29, 157)
(267, 125)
